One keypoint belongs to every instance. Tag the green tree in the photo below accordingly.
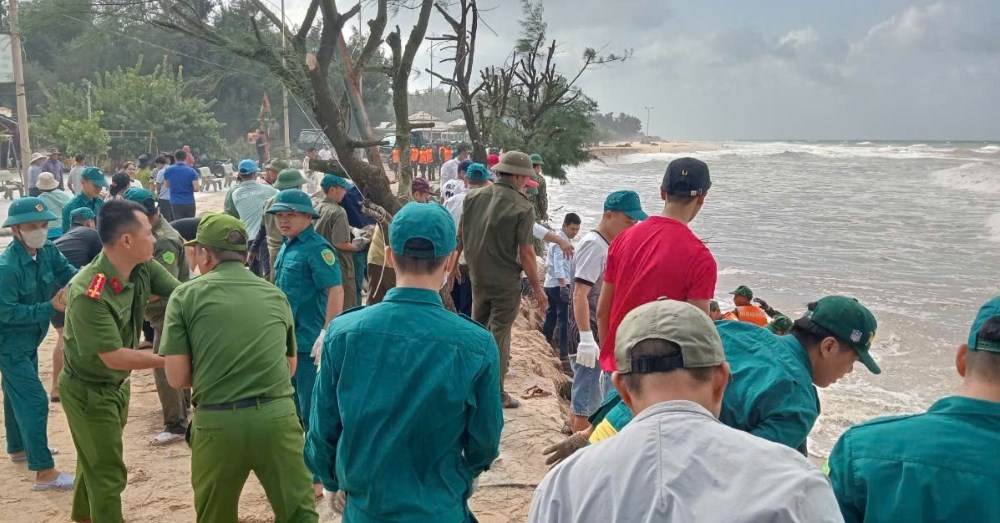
(85, 136)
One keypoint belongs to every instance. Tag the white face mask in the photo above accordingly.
(34, 239)
(444, 281)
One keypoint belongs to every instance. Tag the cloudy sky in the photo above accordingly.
(789, 69)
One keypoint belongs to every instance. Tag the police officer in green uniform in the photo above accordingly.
(31, 271)
(286, 179)
(230, 336)
(941, 465)
(333, 225)
(407, 410)
(106, 304)
(168, 252)
(308, 273)
(92, 181)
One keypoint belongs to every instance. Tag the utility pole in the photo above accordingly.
(22, 102)
(284, 90)
(648, 109)
(87, 83)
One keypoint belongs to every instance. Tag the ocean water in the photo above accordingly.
(910, 229)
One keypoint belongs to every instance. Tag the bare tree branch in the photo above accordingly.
(300, 37)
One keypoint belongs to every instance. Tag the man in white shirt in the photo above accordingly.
(675, 461)
(249, 197)
(449, 171)
(557, 290)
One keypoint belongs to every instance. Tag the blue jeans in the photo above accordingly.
(557, 316)
(589, 388)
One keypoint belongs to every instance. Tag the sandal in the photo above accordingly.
(63, 481)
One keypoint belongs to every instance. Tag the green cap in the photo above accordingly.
(95, 176)
(536, 159)
(275, 164)
(293, 200)
(143, 197)
(219, 230)
(744, 291)
(28, 209)
(81, 215)
(626, 202)
(289, 179)
(423, 230)
(330, 180)
(780, 323)
(849, 321)
(990, 309)
(674, 321)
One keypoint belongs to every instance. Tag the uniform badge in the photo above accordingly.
(96, 286)
(329, 257)
(856, 336)
(116, 285)
(39, 208)
(169, 258)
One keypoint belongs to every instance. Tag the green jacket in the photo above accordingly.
(26, 289)
(78, 201)
(942, 465)
(305, 271)
(406, 410)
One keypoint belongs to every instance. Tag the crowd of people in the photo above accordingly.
(391, 411)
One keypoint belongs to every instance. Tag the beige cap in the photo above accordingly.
(674, 321)
(46, 182)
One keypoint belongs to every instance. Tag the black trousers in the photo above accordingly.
(183, 210)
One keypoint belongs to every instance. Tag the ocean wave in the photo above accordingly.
(989, 149)
(733, 271)
(978, 177)
(864, 143)
(993, 227)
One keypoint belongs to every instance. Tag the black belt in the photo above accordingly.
(239, 404)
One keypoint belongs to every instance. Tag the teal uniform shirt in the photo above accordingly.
(306, 268)
(26, 289)
(406, 409)
(771, 394)
(942, 465)
(78, 201)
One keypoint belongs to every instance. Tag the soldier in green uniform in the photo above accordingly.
(31, 271)
(106, 304)
(286, 179)
(92, 181)
(168, 252)
(245, 417)
(540, 198)
(308, 273)
(937, 466)
(425, 379)
(332, 225)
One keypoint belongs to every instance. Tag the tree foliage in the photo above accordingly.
(84, 136)
(621, 127)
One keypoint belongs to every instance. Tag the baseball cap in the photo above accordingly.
(626, 202)
(463, 166)
(477, 173)
(744, 291)
(669, 320)
(536, 159)
(143, 197)
(289, 179)
(420, 185)
(94, 176)
(990, 309)
(330, 180)
(849, 321)
(293, 200)
(531, 183)
(220, 230)
(686, 177)
(275, 164)
(81, 215)
(247, 166)
(28, 209)
(423, 230)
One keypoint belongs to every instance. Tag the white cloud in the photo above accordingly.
(923, 27)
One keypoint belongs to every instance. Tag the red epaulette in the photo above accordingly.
(96, 286)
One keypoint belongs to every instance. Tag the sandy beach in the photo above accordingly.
(623, 148)
(159, 486)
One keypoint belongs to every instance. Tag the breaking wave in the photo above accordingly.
(977, 177)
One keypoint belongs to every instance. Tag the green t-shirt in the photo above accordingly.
(105, 313)
(208, 319)
(332, 225)
(496, 221)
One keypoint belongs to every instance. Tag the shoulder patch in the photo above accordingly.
(329, 257)
(96, 286)
(169, 258)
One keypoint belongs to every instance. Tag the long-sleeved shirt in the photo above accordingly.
(26, 288)
(676, 462)
(56, 168)
(557, 265)
(33, 172)
(406, 409)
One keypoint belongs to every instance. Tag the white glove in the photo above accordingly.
(336, 501)
(587, 351)
(318, 346)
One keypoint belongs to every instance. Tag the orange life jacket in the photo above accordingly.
(445, 154)
(395, 156)
(425, 156)
(414, 153)
(750, 314)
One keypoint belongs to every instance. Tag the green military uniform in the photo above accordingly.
(104, 313)
(332, 224)
(496, 220)
(407, 409)
(169, 252)
(26, 288)
(938, 466)
(307, 268)
(287, 179)
(245, 419)
(539, 196)
(95, 176)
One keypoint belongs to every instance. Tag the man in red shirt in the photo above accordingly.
(659, 257)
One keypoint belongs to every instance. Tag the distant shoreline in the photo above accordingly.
(623, 148)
